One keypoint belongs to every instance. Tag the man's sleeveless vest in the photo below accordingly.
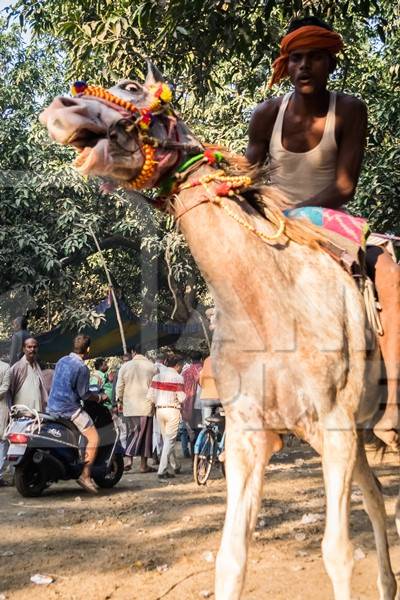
(302, 175)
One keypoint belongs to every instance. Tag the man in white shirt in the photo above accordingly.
(4, 385)
(167, 394)
(134, 380)
(27, 385)
(157, 437)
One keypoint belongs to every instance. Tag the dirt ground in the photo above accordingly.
(153, 540)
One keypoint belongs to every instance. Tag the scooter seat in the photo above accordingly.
(61, 420)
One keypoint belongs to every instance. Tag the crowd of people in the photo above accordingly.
(154, 397)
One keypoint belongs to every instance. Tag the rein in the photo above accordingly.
(228, 186)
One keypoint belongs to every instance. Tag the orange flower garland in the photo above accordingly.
(148, 169)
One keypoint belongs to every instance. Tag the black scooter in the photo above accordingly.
(45, 449)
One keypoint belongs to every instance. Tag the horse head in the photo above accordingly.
(128, 133)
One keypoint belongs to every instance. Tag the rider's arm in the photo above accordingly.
(353, 118)
(260, 130)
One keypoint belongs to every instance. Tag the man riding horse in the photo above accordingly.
(315, 142)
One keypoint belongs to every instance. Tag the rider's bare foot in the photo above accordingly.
(386, 431)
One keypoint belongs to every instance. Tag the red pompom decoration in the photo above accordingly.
(223, 189)
(210, 156)
(158, 91)
(145, 118)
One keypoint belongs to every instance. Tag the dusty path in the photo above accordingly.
(147, 537)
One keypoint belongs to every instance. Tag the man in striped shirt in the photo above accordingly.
(166, 393)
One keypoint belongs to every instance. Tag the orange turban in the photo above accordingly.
(309, 36)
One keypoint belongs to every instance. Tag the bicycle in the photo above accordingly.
(209, 445)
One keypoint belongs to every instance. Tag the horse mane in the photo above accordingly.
(268, 202)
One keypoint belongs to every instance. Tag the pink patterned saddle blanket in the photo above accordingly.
(353, 229)
(347, 235)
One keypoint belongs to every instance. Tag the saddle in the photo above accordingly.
(347, 238)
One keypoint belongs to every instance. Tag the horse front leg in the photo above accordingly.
(338, 459)
(247, 453)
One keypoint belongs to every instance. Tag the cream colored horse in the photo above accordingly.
(290, 347)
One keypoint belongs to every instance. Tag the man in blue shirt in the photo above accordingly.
(69, 389)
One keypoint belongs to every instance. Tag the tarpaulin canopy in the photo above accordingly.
(106, 339)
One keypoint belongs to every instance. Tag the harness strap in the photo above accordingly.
(182, 209)
(372, 307)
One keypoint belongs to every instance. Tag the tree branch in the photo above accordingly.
(114, 241)
(184, 295)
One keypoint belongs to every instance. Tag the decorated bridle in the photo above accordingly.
(141, 120)
(228, 186)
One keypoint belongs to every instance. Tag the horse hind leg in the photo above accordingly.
(375, 508)
(247, 453)
(338, 459)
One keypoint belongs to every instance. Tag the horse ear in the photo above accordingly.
(153, 74)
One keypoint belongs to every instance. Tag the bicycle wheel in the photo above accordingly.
(222, 450)
(204, 458)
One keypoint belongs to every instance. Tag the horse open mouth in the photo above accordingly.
(92, 148)
(83, 160)
(97, 157)
(93, 159)
(85, 138)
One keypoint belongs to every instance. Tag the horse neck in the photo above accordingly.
(224, 250)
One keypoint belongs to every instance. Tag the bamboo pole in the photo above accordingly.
(204, 329)
(110, 285)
